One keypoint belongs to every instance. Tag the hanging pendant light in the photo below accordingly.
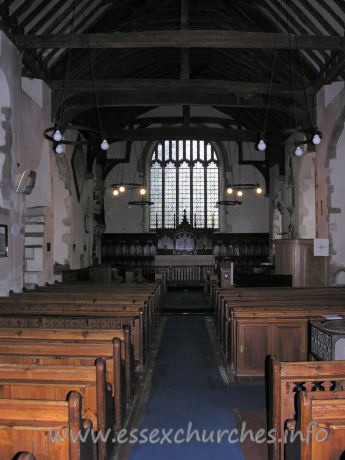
(57, 136)
(59, 149)
(104, 145)
(261, 145)
(316, 138)
(55, 133)
(258, 190)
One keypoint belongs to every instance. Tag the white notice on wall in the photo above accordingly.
(321, 247)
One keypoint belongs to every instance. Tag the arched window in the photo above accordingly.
(184, 176)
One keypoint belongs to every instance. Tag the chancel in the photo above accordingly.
(172, 260)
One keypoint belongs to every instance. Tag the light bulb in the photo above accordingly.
(229, 191)
(142, 191)
(262, 145)
(239, 193)
(115, 192)
(258, 190)
(58, 148)
(104, 145)
(298, 151)
(122, 188)
(57, 136)
(316, 139)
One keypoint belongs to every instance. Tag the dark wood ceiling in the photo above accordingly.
(258, 62)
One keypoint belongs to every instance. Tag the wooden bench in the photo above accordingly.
(80, 295)
(142, 334)
(25, 425)
(52, 382)
(279, 296)
(78, 336)
(89, 318)
(282, 329)
(327, 419)
(255, 322)
(284, 380)
(97, 308)
(24, 456)
(220, 296)
(22, 351)
(275, 292)
(152, 293)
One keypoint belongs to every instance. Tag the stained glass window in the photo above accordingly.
(184, 181)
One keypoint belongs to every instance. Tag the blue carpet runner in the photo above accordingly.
(187, 393)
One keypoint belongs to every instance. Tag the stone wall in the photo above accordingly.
(47, 229)
(330, 186)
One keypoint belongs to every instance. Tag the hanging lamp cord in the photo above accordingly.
(94, 89)
(64, 86)
(274, 60)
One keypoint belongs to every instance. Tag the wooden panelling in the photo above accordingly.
(296, 258)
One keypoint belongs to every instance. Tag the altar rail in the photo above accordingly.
(181, 275)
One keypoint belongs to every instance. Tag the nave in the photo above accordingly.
(137, 361)
(187, 390)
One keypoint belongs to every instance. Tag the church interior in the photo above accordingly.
(172, 259)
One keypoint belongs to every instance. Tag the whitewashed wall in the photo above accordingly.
(47, 227)
(292, 199)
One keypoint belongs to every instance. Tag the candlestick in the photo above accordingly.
(156, 221)
(194, 220)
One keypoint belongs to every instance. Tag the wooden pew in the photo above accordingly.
(281, 329)
(262, 297)
(97, 294)
(152, 293)
(327, 419)
(78, 336)
(49, 382)
(284, 380)
(25, 456)
(81, 305)
(255, 292)
(276, 300)
(84, 303)
(25, 425)
(232, 295)
(52, 317)
(155, 290)
(83, 295)
(73, 353)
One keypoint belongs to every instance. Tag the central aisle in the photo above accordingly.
(187, 390)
